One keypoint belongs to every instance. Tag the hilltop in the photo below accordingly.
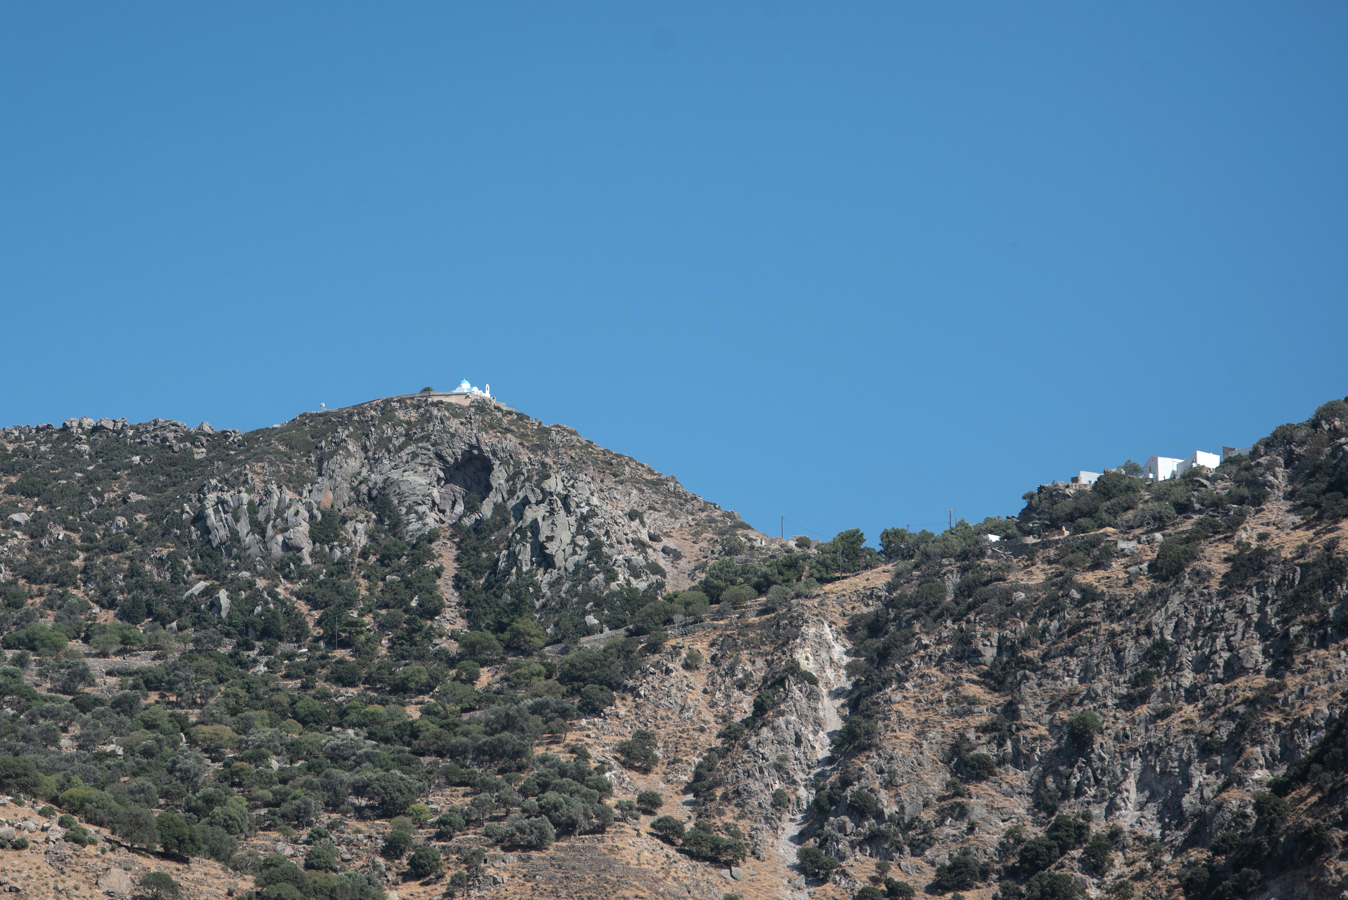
(434, 648)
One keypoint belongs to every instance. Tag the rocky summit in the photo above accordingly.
(419, 648)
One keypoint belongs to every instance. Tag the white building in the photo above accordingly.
(468, 390)
(1159, 468)
(1085, 477)
(1198, 458)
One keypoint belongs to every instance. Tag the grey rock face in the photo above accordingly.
(116, 881)
(219, 605)
(562, 494)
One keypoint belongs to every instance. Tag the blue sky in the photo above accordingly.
(853, 265)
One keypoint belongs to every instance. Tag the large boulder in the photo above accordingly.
(116, 881)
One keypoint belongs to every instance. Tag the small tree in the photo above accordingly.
(1082, 729)
(176, 836)
(159, 886)
(815, 863)
(19, 775)
(962, 872)
(1053, 886)
(899, 890)
(1098, 856)
(649, 801)
(864, 804)
(396, 845)
(321, 858)
(467, 671)
(424, 862)
(525, 635)
(479, 646)
(639, 751)
(135, 826)
(737, 595)
(668, 829)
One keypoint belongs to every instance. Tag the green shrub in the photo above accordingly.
(899, 890)
(815, 863)
(479, 646)
(396, 844)
(78, 834)
(176, 837)
(1271, 809)
(135, 825)
(737, 595)
(961, 873)
(159, 886)
(327, 529)
(668, 829)
(536, 833)
(638, 752)
(649, 801)
(1174, 557)
(1098, 856)
(701, 843)
(731, 732)
(216, 843)
(1037, 854)
(322, 857)
(1082, 730)
(35, 638)
(978, 766)
(864, 804)
(424, 862)
(18, 775)
(1053, 886)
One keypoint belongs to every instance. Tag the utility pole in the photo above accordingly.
(783, 527)
(952, 517)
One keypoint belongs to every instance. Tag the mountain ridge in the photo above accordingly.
(1129, 689)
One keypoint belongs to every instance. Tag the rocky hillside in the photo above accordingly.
(447, 650)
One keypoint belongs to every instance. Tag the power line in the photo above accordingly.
(803, 528)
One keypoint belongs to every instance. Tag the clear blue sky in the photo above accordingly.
(853, 263)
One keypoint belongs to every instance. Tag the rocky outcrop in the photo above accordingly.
(116, 881)
(444, 465)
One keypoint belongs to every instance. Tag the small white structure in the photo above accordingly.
(1159, 468)
(467, 390)
(1085, 477)
(1228, 452)
(1198, 458)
